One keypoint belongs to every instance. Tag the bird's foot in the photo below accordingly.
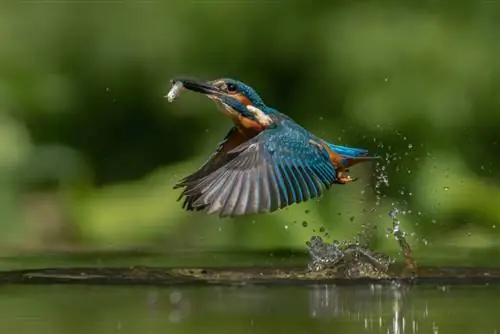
(343, 178)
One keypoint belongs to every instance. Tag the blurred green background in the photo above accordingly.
(90, 149)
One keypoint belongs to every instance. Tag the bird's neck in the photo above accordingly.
(251, 127)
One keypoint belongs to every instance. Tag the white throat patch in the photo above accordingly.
(260, 116)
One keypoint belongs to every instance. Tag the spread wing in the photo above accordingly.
(274, 169)
(216, 159)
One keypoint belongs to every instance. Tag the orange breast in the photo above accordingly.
(247, 126)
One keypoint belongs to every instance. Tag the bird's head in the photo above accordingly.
(233, 97)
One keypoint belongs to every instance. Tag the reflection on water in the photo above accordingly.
(251, 309)
(366, 305)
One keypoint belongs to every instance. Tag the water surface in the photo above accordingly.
(65, 309)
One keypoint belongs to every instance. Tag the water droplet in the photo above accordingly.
(286, 227)
(410, 146)
(446, 188)
(434, 221)
(307, 212)
(322, 229)
(394, 213)
(304, 223)
(321, 118)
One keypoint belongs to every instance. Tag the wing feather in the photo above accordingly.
(276, 168)
(312, 182)
(254, 191)
(231, 201)
(241, 205)
(303, 186)
(275, 197)
(217, 158)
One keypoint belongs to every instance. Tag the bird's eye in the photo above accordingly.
(231, 87)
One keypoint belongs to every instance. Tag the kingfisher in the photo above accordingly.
(266, 161)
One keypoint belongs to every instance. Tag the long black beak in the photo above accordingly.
(198, 86)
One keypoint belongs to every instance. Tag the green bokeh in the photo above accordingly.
(90, 149)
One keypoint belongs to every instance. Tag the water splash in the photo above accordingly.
(382, 178)
(368, 230)
(347, 258)
(400, 237)
(355, 257)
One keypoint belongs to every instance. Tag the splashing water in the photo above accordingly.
(400, 237)
(369, 229)
(354, 257)
(347, 258)
(382, 178)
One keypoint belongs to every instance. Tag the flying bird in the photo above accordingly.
(266, 161)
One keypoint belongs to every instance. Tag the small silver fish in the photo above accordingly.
(175, 91)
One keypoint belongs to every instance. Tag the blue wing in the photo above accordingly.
(274, 169)
(217, 158)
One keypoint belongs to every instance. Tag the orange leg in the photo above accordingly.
(336, 159)
(343, 178)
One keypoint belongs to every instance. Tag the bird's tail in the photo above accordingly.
(351, 156)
